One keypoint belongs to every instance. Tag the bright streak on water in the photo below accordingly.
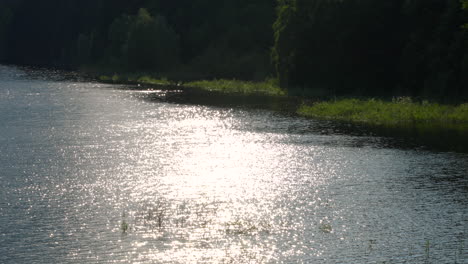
(81, 162)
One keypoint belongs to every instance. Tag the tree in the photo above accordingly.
(283, 52)
(372, 48)
(6, 16)
(152, 43)
(118, 37)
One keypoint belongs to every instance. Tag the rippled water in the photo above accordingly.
(93, 173)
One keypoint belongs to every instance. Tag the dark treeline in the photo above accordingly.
(203, 38)
(417, 48)
(376, 48)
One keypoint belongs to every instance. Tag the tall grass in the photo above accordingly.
(399, 112)
(268, 87)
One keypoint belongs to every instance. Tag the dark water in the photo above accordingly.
(93, 173)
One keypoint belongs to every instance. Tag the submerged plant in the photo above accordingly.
(326, 228)
(239, 227)
(427, 248)
(124, 226)
(154, 215)
(372, 243)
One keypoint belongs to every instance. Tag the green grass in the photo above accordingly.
(268, 87)
(399, 112)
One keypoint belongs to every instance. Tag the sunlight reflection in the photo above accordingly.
(95, 173)
(211, 196)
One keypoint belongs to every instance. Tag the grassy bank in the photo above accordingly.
(268, 87)
(399, 112)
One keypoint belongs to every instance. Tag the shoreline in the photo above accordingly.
(224, 86)
(445, 135)
(400, 113)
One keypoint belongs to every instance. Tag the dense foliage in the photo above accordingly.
(202, 38)
(414, 48)
(367, 47)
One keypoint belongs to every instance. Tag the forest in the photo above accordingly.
(416, 48)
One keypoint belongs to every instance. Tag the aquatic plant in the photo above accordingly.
(326, 228)
(154, 214)
(247, 227)
(239, 227)
(124, 226)
(427, 248)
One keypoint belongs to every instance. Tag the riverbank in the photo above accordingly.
(400, 112)
(448, 134)
(268, 87)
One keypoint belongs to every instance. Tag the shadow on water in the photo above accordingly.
(42, 74)
(196, 96)
(427, 137)
(424, 137)
(432, 138)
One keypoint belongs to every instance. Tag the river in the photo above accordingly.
(98, 173)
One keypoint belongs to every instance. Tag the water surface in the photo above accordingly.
(95, 173)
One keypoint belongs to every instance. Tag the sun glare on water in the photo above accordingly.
(204, 189)
(95, 173)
